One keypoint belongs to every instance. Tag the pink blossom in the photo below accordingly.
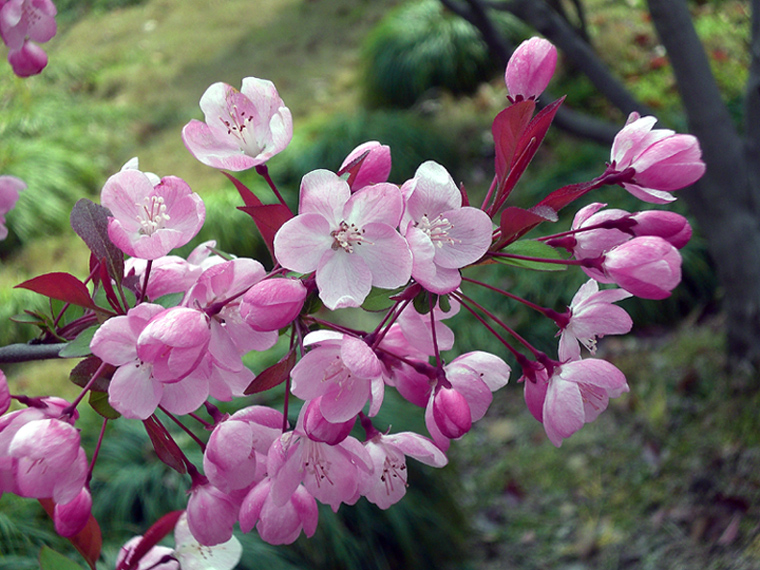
(211, 514)
(387, 482)
(344, 370)
(663, 160)
(442, 235)
(149, 221)
(591, 315)
(5, 394)
(330, 473)
(194, 556)
(648, 267)
(348, 239)
(530, 69)
(70, 518)
(272, 304)
(374, 168)
(464, 395)
(10, 186)
(157, 558)
(30, 59)
(672, 227)
(279, 524)
(575, 394)
(235, 456)
(319, 429)
(22, 20)
(591, 243)
(243, 128)
(50, 461)
(417, 329)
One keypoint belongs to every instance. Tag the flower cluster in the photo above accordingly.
(169, 334)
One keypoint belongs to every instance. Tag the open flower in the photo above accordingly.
(348, 239)
(243, 128)
(149, 221)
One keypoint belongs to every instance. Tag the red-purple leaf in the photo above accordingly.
(268, 218)
(166, 448)
(90, 221)
(62, 286)
(538, 127)
(249, 198)
(82, 373)
(88, 541)
(507, 129)
(151, 538)
(516, 222)
(274, 375)
(563, 196)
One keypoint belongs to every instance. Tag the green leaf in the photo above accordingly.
(532, 248)
(80, 346)
(99, 403)
(380, 299)
(170, 299)
(52, 560)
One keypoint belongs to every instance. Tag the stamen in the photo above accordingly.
(437, 230)
(347, 236)
(154, 215)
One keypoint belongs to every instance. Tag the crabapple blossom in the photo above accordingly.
(387, 482)
(648, 267)
(243, 128)
(374, 168)
(194, 556)
(149, 221)
(273, 303)
(344, 370)
(442, 235)
(157, 558)
(30, 59)
(575, 394)
(591, 315)
(206, 504)
(70, 518)
(663, 161)
(672, 227)
(319, 429)
(348, 239)
(279, 523)
(5, 394)
(530, 69)
(10, 186)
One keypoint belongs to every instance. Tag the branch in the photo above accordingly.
(27, 352)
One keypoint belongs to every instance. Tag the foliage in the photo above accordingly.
(421, 46)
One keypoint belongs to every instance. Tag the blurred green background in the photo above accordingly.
(667, 478)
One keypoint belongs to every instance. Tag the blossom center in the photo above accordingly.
(437, 229)
(238, 126)
(347, 236)
(393, 470)
(154, 216)
(315, 464)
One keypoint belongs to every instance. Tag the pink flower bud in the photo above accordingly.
(373, 169)
(211, 514)
(648, 266)
(279, 524)
(30, 59)
(273, 303)
(530, 69)
(229, 461)
(670, 226)
(70, 518)
(451, 413)
(319, 429)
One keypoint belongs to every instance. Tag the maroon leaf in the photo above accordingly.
(249, 198)
(151, 538)
(88, 541)
(516, 222)
(166, 448)
(90, 221)
(268, 218)
(82, 373)
(62, 286)
(274, 375)
(507, 129)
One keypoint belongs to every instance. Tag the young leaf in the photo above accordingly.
(82, 373)
(507, 129)
(166, 448)
(99, 403)
(274, 375)
(90, 221)
(52, 560)
(380, 299)
(80, 346)
(532, 248)
(62, 286)
(516, 222)
(268, 218)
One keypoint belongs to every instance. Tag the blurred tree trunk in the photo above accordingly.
(726, 202)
